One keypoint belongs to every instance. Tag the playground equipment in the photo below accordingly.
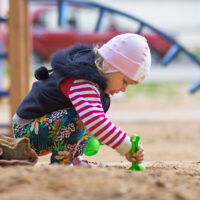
(18, 53)
(74, 29)
(19, 42)
(195, 86)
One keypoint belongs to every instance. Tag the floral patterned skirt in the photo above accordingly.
(61, 132)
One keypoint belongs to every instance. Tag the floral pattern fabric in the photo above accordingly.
(61, 132)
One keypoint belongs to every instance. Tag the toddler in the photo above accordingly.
(68, 103)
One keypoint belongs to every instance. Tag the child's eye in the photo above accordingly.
(125, 82)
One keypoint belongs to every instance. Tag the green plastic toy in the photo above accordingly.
(92, 147)
(135, 166)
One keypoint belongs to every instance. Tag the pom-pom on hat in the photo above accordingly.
(128, 53)
(42, 73)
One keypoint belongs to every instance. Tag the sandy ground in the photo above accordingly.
(162, 180)
(172, 158)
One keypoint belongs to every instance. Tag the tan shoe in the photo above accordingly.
(16, 151)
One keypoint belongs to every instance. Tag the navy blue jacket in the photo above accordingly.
(46, 96)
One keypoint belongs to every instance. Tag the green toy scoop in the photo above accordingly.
(92, 147)
(135, 166)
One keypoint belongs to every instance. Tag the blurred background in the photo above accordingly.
(53, 27)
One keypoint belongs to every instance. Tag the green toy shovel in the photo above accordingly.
(135, 166)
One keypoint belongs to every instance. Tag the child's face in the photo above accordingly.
(116, 82)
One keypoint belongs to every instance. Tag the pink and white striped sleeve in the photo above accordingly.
(85, 98)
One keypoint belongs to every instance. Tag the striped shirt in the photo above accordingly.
(85, 97)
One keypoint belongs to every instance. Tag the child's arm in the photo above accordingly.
(86, 100)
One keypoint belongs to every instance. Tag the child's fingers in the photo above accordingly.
(131, 159)
(140, 160)
(136, 159)
(138, 156)
(139, 153)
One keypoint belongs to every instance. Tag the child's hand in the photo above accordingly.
(138, 156)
